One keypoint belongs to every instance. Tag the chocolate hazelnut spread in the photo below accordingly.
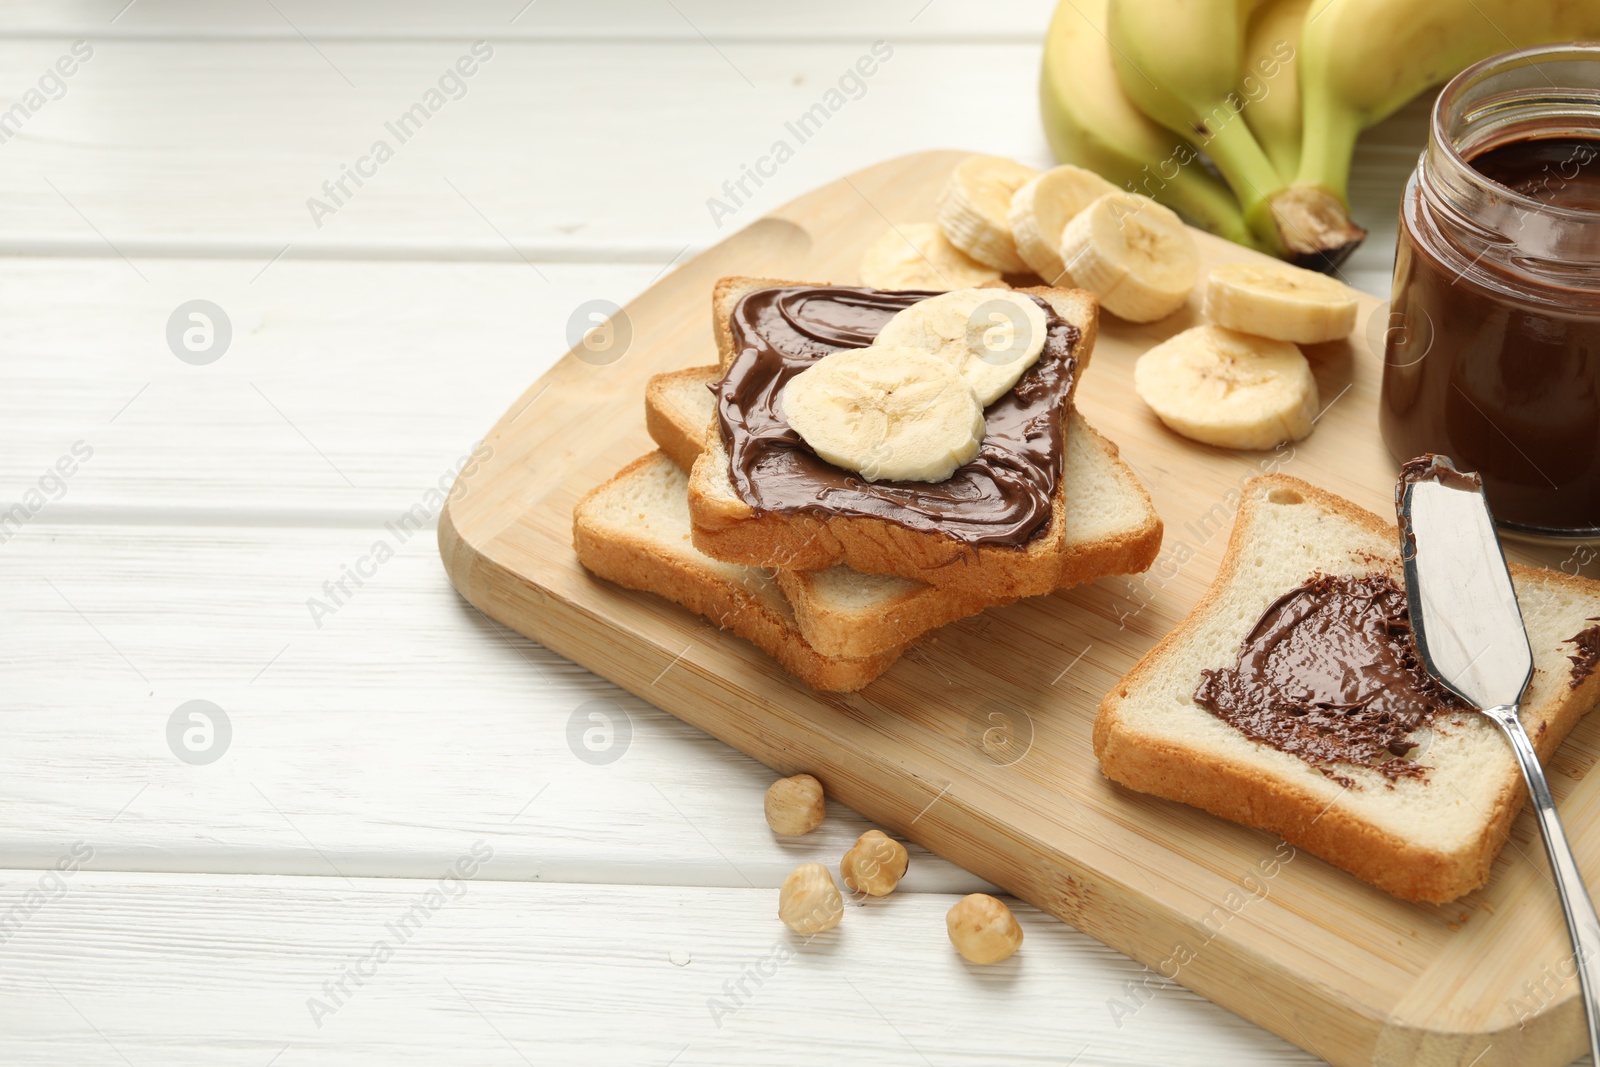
(1560, 171)
(1493, 344)
(1429, 467)
(1330, 674)
(1004, 496)
(1586, 643)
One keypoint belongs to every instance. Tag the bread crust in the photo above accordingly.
(1258, 797)
(635, 562)
(729, 529)
(681, 443)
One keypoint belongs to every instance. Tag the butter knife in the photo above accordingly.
(1471, 638)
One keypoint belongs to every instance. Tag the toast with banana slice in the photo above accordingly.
(812, 538)
(1246, 712)
(634, 530)
(1111, 529)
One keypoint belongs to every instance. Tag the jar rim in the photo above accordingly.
(1445, 106)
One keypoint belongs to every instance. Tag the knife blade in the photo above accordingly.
(1469, 634)
(1464, 610)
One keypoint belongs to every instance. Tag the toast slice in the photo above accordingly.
(728, 528)
(1111, 528)
(634, 530)
(1431, 837)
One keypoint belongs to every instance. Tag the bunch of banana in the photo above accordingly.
(1090, 121)
(1272, 93)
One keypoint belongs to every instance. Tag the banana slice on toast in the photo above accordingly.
(888, 412)
(989, 336)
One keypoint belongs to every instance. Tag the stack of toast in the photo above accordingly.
(836, 597)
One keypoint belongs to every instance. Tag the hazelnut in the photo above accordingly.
(875, 864)
(809, 902)
(983, 929)
(794, 805)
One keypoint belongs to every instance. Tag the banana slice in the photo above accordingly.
(1134, 254)
(1280, 301)
(886, 412)
(988, 336)
(1041, 209)
(1229, 389)
(973, 207)
(917, 256)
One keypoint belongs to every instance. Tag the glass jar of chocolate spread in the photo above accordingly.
(1492, 356)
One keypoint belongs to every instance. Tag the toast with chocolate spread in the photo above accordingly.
(634, 530)
(845, 612)
(1292, 699)
(997, 528)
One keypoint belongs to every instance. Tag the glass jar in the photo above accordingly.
(1493, 352)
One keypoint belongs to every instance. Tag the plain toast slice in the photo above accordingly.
(728, 528)
(1430, 838)
(1111, 528)
(634, 530)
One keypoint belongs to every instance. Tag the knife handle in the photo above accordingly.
(1582, 925)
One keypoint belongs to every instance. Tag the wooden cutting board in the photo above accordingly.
(977, 744)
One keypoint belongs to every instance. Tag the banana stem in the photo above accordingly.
(1248, 171)
(1328, 143)
(1313, 215)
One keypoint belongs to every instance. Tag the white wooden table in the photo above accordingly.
(156, 910)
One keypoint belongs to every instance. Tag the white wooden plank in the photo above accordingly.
(169, 141)
(719, 20)
(184, 970)
(367, 745)
(345, 387)
(160, 148)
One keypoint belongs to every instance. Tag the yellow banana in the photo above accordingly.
(1179, 61)
(1090, 121)
(1361, 60)
(1268, 81)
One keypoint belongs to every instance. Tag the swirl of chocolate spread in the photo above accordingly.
(1331, 674)
(1003, 497)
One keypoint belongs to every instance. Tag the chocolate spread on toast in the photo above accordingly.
(1331, 674)
(1005, 496)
